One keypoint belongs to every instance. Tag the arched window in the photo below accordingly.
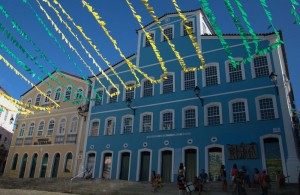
(50, 128)
(147, 88)
(44, 165)
(68, 163)
(41, 128)
(74, 125)
(68, 93)
(211, 75)
(238, 110)
(110, 126)
(62, 126)
(57, 94)
(79, 93)
(146, 122)
(48, 94)
(31, 129)
(213, 114)
(167, 120)
(37, 99)
(129, 91)
(22, 129)
(167, 86)
(266, 107)
(94, 128)
(113, 99)
(15, 162)
(127, 124)
(99, 98)
(190, 117)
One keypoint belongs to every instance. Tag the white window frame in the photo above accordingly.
(37, 131)
(141, 121)
(29, 101)
(95, 96)
(108, 97)
(79, 95)
(252, 65)
(40, 98)
(114, 127)
(164, 28)
(182, 26)
(22, 130)
(204, 77)
(71, 125)
(31, 130)
(161, 119)
(65, 126)
(145, 38)
(91, 127)
(47, 98)
(206, 114)
(124, 91)
(258, 107)
(56, 94)
(161, 83)
(66, 91)
(231, 111)
(142, 88)
(123, 123)
(47, 134)
(183, 115)
(183, 81)
(227, 62)
(65, 162)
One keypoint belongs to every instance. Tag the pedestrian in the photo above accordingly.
(264, 181)
(181, 182)
(223, 178)
(234, 171)
(158, 183)
(256, 175)
(153, 177)
(280, 179)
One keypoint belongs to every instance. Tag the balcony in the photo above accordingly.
(28, 141)
(59, 139)
(19, 142)
(71, 138)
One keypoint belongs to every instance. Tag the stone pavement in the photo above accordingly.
(54, 186)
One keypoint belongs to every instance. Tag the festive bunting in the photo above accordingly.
(294, 12)
(59, 45)
(190, 34)
(102, 24)
(26, 112)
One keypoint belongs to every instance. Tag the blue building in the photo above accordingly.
(205, 118)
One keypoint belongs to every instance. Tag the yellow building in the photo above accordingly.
(51, 144)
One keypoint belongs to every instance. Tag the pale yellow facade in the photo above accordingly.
(51, 144)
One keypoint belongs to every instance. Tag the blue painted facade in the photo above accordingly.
(199, 136)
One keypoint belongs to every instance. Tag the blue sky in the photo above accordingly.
(122, 26)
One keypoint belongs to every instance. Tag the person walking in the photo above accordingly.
(264, 181)
(223, 178)
(180, 182)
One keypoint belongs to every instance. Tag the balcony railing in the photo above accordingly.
(28, 141)
(71, 138)
(59, 139)
(19, 142)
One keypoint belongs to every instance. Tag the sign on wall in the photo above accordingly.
(242, 151)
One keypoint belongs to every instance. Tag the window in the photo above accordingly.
(110, 126)
(79, 94)
(62, 126)
(99, 98)
(41, 128)
(189, 80)
(190, 24)
(37, 99)
(50, 128)
(266, 107)
(113, 99)
(129, 92)
(238, 111)
(57, 94)
(168, 84)
(29, 101)
(168, 32)
(234, 74)
(190, 117)
(30, 130)
(22, 129)
(260, 66)
(6, 115)
(167, 120)
(127, 125)
(68, 163)
(211, 75)
(68, 93)
(147, 88)
(15, 161)
(147, 42)
(74, 125)
(213, 114)
(146, 122)
(95, 128)
(48, 94)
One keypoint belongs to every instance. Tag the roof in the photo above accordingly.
(3, 90)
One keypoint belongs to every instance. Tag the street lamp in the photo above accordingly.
(82, 111)
(128, 101)
(197, 93)
(273, 78)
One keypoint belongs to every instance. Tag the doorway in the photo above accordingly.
(125, 159)
(144, 166)
(190, 164)
(33, 165)
(166, 165)
(55, 165)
